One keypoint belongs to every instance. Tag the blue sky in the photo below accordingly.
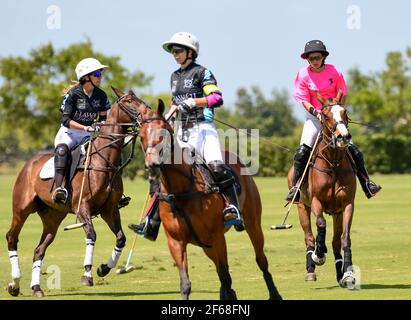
(244, 43)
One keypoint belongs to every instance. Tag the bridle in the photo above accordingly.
(324, 117)
(330, 139)
(134, 115)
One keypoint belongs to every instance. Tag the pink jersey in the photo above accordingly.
(327, 83)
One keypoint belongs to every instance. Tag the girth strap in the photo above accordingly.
(171, 199)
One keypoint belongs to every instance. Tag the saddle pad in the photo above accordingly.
(47, 172)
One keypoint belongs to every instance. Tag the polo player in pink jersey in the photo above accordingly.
(328, 81)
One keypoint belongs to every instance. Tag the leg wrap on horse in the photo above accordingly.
(320, 241)
(347, 259)
(338, 266)
(369, 187)
(300, 161)
(310, 265)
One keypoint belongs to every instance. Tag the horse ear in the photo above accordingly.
(161, 107)
(320, 98)
(118, 92)
(131, 92)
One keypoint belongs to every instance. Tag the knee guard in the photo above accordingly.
(222, 173)
(61, 156)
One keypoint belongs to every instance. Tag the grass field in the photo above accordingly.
(381, 242)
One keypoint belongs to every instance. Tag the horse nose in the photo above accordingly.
(347, 138)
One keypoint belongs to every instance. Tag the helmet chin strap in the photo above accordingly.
(187, 56)
(89, 79)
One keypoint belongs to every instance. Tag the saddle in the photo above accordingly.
(78, 154)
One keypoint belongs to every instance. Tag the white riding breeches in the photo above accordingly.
(310, 131)
(203, 138)
(70, 137)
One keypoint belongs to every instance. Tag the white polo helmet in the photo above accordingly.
(87, 66)
(184, 39)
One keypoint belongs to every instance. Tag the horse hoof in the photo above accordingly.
(228, 294)
(103, 270)
(348, 280)
(319, 261)
(310, 276)
(13, 290)
(87, 281)
(37, 292)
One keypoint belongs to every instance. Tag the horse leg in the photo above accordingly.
(348, 279)
(12, 236)
(336, 243)
(51, 220)
(319, 255)
(114, 222)
(256, 236)
(178, 250)
(218, 254)
(23, 206)
(305, 222)
(87, 277)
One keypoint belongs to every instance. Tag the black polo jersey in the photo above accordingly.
(82, 108)
(189, 83)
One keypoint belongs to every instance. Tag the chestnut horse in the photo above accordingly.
(329, 187)
(103, 189)
(191, 209)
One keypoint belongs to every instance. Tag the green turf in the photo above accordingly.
(381, 244)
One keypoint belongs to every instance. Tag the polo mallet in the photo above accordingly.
(81, 224)
(128, 268)
(288, 226)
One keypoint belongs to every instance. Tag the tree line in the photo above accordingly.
(379, 104)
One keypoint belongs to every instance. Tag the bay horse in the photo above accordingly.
(329, 187)
(103, 190)
(191, 210)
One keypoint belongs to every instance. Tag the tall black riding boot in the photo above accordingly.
(151, 226)
(226, 181)
(61, 159)
(300, 161)
(369, 187)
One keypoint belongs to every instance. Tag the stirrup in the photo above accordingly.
(139, 228)
(231, 215)
(60, 195)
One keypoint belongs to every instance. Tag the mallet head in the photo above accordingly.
(124, 270)
(281, 226)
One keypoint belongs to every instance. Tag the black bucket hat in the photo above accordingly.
(314, 46)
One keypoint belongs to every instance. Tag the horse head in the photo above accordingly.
(128, 108)
(156, 136)
(335, 121)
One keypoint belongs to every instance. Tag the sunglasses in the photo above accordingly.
(315, 58)
(97, 74)
(177, 50)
